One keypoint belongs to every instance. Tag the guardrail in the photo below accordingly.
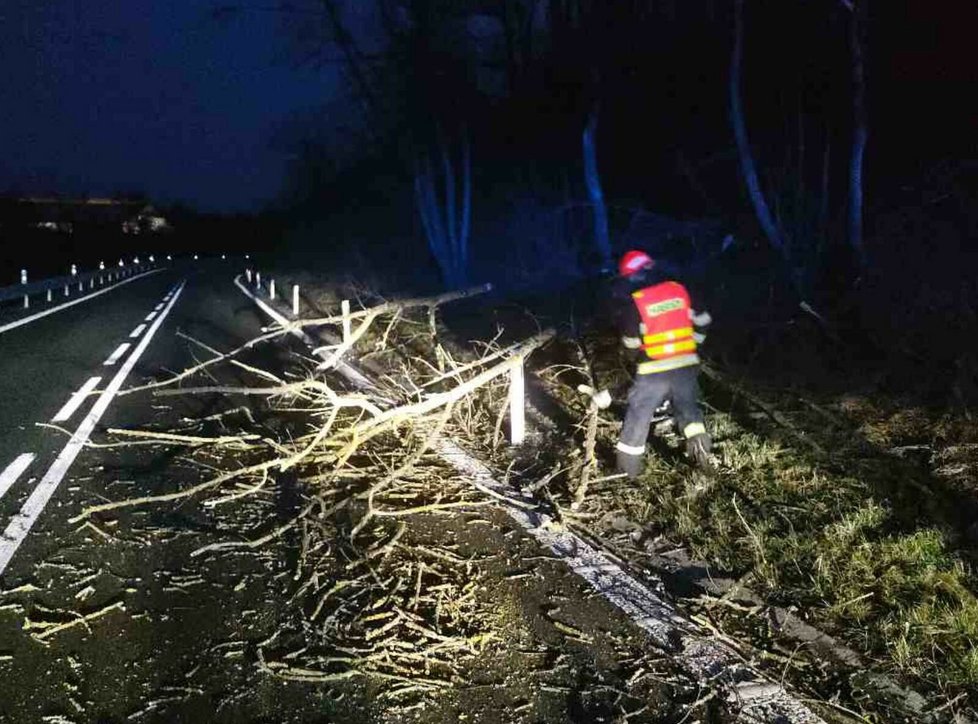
(74, 282)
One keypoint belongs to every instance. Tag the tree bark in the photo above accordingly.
(747, 166)
(860, 131)
(592, 180)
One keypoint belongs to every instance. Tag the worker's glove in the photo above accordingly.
(601, 400)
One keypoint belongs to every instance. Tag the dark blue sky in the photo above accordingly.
(103, 96)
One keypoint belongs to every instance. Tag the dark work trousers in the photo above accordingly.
(648, 392)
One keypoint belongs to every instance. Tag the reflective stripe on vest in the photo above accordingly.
(670, 363)
(668, 336)
(661, 351)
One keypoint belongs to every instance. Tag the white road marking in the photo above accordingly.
(114, 357)
(34, 317)
(13, 471)
(21, 524)
(137, 331)
(149, 317)
(158, 307)
(76, 400)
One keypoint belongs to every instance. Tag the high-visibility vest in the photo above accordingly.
(667, 330)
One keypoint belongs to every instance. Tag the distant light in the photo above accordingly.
(23, 276)
(121, 263)
(223, 257)
(74, 270)
(169, 258)
(101, 266)
(247, 256)
(195, 257)
(135, 260)
(151, 259)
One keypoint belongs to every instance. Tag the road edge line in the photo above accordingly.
(34, 317)
(21, 523)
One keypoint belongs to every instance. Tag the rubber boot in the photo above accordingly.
(631, 465)
(698, 448)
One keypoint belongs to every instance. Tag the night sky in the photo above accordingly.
(109, 96)
(184, 104)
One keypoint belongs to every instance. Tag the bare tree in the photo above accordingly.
(747, 166)
(860, 127)
(592, 180)
(446, 220)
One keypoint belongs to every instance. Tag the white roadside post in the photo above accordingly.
(66, 290)
(23, 280)
(517, 401)
(257, 280)
(248, 274)
(345, 311)
(295, 300)
(49, 295)
(271, 290)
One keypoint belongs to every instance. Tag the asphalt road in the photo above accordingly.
(52, 570)
(64, 369)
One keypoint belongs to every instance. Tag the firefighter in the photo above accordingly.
(656, 319)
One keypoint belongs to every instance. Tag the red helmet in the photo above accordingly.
(634, 261)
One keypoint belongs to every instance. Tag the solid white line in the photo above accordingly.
(137, 331)
(149, 317)
(114, 357)
(76, 400)
(27, 320)
(13, 471)
(21, 524)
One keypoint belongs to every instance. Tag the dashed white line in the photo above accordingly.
(27, 320)
(114, 357)
(76, 400)
(13, 471)
(158, 307)
(149, 317)
(21, 524)
(137, 331)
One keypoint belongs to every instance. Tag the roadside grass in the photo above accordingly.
(866, 543)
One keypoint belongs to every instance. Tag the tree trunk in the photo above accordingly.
(748, 169)
(860, 132)
(593, 181)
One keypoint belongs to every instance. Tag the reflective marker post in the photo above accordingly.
(23, 280)
(517, 399)
(345, 311)
(295, 300)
